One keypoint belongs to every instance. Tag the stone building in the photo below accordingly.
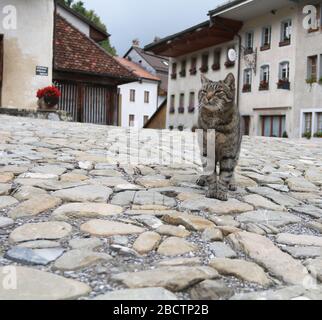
(278, 66)
(44, 42)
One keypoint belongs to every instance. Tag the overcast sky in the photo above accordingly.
(145, 19)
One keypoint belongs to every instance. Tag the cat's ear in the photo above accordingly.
(230, 81)
(204, 79)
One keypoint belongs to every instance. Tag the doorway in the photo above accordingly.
(246, 125)
(1, 67)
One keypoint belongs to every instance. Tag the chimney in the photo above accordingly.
(136, 43)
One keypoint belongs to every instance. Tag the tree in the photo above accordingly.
(91, 15)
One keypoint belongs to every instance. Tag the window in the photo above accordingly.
(284, 71)
(204, 63)
(273, 126)
(307, 122)
(266, 38)
(284, 76)
(131, 120)
(286, 32)
(174, 71)
(264, 78)
(249, 42)
(181, 103)
(216, 65)
(146, 96)
(193, 69)
(319, 122)
(183, 68)
(312, 69)
(247, 80)
(192, 102)
(172, 103)
(145, 120)
(132, 95)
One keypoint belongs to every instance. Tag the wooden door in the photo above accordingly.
(1, 67)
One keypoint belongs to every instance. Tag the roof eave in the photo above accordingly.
(227, 6)
(81, 17)
(101, 75)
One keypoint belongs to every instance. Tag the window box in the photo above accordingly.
(215, 67)
(249, 51)
(172, 110)
(171, 128)
(229, 64)
(182, 73)
(307, 135)
(283, 84)
(180, 127)
(318, 135)
(191, 109)
(263, 86)
(181, 110)
(320, 80)
(193, 71)
(285, 43)
(204, 69)
(173, 76)
(265, 47)
(311, 80)
(313, 30)
(247, 87)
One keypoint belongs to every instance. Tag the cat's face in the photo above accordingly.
(215, 96)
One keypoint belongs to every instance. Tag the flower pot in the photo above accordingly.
(48, 103)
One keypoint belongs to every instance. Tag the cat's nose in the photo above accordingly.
(209, 95)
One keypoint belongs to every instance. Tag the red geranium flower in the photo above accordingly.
(50, 91)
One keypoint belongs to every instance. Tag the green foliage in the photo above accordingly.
(318, 134)
(307, 135)
(285, 135)
(91, 15)
(311, 80)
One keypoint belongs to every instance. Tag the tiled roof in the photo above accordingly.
(75, 52)
(136, 69)
(155, 61)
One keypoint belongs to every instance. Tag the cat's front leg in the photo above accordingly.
(217, 191)
(207, 180)
(227, 174)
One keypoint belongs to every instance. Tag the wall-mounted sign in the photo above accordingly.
(41, 71)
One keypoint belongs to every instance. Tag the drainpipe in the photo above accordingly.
(238, 69)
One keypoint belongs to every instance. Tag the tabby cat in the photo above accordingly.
(218, 111)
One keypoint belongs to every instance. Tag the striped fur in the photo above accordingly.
(217, 110)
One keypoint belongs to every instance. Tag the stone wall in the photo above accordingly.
(58, 115)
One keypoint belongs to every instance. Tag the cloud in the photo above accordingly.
(145, 19)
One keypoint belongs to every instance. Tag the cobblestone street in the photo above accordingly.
(77, 220)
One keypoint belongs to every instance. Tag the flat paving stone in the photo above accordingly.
(33, 284)
(85, 194)
(171, 278)
(40, 231)
(103, 228)
(144, 294)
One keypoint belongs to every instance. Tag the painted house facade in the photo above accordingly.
(138, 100)
(276, 57)
(26, 42)
(44, 42)
(154, 64)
